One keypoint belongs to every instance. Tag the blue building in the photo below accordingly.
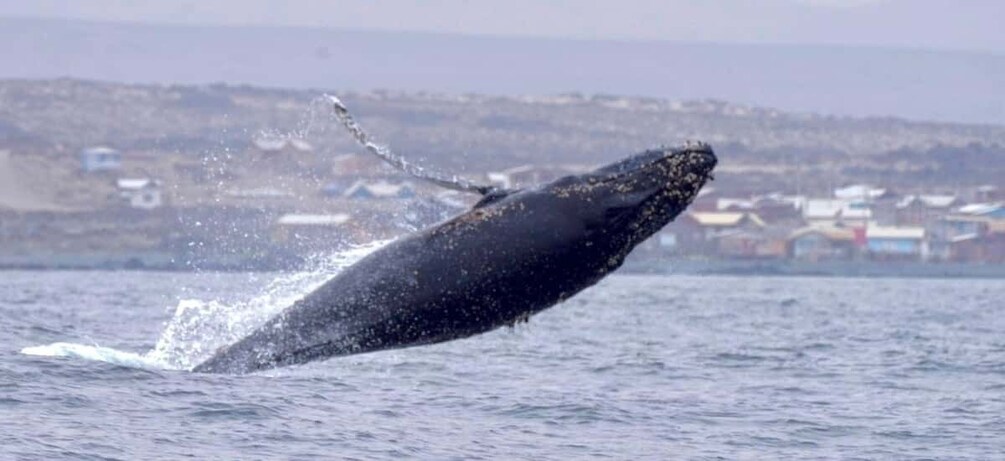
(896, 242)
(100, 159)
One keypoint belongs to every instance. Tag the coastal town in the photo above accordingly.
(266, 227)
(858, 222)
(97, 195)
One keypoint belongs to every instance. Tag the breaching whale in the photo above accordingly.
(515, 253)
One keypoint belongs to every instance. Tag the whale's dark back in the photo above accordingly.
(477, 272)
(491, 266)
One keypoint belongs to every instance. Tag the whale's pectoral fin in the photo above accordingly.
(491, 196)
(341, 113)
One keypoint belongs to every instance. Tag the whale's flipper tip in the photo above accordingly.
(341, 113)
(338, 104)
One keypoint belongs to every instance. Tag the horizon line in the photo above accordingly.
(512, 37)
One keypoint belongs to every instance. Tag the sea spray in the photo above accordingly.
(199, 327)
(93, 352)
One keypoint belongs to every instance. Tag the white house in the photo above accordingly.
(142, 193)
(836, 211)
(860, 192)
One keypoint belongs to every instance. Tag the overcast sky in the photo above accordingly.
(933, 24)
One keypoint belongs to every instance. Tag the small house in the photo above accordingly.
(986, 247)
(824, 243)
(102, 158)
(778, 209)
(896, 243)
(700, 232)
(732, 235)
(734, 204)
(716, 222)
(921, 210)
(833, 212)
(954, 225)
(860, 192)
(753, 242)
(140, 193)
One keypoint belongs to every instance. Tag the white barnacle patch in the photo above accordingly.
(579, 189)
(469, 220)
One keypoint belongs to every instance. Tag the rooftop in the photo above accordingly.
(135, 183)
(980, 208)
(877, 232)
(930, 201)
(831, 233)
(725, 219)
(859, 191)
(99, 150)
(313, 219)
(835, 208)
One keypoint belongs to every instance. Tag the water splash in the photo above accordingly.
(97, 353)
(199, 327)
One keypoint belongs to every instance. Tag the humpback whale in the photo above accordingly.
(513, 254)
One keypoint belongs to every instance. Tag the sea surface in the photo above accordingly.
(92, 366)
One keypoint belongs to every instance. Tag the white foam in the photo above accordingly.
(198, 328)
(98, 353)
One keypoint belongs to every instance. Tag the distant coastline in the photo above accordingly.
(223, 178)
(162, 261)
(911, 269)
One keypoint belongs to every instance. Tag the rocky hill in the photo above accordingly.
(473, 134)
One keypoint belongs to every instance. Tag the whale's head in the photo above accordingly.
(637, 196)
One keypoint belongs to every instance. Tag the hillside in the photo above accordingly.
(831, 79)
(474, 134)
(245, 177)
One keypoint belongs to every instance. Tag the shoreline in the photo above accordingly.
(157, 261)
(791, 268)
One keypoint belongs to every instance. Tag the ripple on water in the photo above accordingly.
(215, 411)
(635, 368)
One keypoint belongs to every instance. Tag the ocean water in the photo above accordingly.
(639, 367)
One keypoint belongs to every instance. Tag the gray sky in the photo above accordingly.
(933, 24)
